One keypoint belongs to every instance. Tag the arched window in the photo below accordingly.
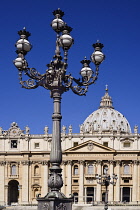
(105, 169)
(75, 170)
(90, 169)
(126, 169)
(13, 170)
(36, 192)
(36, 170)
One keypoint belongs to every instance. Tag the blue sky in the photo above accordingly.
(115, 23)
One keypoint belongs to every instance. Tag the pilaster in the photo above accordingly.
(99, 172)
(45, 173)
(135, 181)
(117, 187)
(25, 182)
(2, 182)
(81, 181)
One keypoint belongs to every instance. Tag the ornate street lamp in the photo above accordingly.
(105, 180)
(57, 81)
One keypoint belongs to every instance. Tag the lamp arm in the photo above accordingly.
(29, 84)
(79, 90)
(33, 73)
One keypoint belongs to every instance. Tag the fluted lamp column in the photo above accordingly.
(57, 81)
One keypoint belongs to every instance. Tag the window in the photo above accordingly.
(105, 169)
(105, 144)
(36, 170)
(36, 192)
(126, 180)
(126, 144)
(36, 145)
(90, 169)
(13, 143)
(126, 169)
(75, 170)
(75, 181)
(13, 170)
(75, 144)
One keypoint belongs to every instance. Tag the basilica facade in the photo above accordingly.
(105, 141)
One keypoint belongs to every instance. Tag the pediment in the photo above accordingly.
(127, 139)
(89, 147)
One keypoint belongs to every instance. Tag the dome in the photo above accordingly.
(106, 119)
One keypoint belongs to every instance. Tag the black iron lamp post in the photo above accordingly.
(57, 81)
(106, 180)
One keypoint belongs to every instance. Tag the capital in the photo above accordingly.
(69, 162)
(135, 162)
(81, 162)
(111, 162)
(118, 162)
(64, 162)
(98, 162)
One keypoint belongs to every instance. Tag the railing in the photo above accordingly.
(89, 175)
(126, 175)
(14, 176)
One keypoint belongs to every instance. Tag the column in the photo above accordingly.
(63, 176)
(69, 178)
(6, 194)
(121, 193)
(130, 194)
(25, 182)
(117, 198)
(45, 173)
(110, 187)
(2, 183)
(81, 181)
(135, 181)
(99, 172)
(94, 193)
(85, 195)
(19, 190)
(138, 193)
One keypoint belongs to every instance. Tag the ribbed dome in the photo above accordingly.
(106, 118)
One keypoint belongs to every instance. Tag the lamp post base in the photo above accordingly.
(54, 201)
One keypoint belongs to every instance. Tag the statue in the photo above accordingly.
(46, 129)
(63, 129)
(27, 130)
(135, 129)
(1, 130)
(81, 128)
(70, 129)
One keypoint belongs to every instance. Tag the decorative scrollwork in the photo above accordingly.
(29, 84)
(33, 73)
(61, 206)
(79, 90)
(46, 206)
(55, 180)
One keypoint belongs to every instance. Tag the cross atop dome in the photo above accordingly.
(106, 100)
(106, 87)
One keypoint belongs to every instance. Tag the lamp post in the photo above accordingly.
(105, 180)
(57, 81)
